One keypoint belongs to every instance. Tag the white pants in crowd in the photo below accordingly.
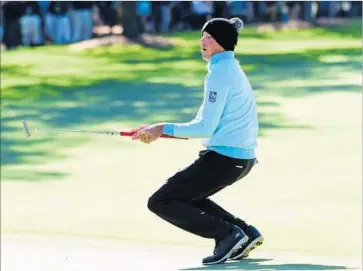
(31, 30)
(58, 28)
(82, 24)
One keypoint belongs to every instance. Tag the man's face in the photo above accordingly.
(209, 46)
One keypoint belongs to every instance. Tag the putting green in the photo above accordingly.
(305, 194)
(44, 253)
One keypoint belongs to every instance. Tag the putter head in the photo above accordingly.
(26, 128)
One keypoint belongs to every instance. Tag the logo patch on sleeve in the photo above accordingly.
(212, 96)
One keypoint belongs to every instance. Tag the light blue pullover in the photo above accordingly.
(227, 119)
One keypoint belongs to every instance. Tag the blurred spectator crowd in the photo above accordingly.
(34, 23)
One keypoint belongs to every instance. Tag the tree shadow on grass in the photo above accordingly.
(321, 66)
(302, 57)
(116, 101)
(87, 102)
(255, 264)
(353, 29)
(324, 67)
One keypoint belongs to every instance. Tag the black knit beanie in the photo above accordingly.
(224, 31)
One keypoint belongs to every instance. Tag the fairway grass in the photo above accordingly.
(305, 194)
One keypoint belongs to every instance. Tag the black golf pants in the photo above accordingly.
(184, 199)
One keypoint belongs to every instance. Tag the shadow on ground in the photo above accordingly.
(104, 102)
(255, 264)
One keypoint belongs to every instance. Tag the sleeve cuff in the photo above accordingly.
(168, 129)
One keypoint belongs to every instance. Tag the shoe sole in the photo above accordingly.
(240, 243)
(244, 254)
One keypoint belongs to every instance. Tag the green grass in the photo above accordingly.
(304, 194)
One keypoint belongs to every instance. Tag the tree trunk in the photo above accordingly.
(130, 21)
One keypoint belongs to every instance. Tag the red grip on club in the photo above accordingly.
(163, 135)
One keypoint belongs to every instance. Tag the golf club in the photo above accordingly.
(121, 133)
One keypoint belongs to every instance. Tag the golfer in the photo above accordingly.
(228, 123)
